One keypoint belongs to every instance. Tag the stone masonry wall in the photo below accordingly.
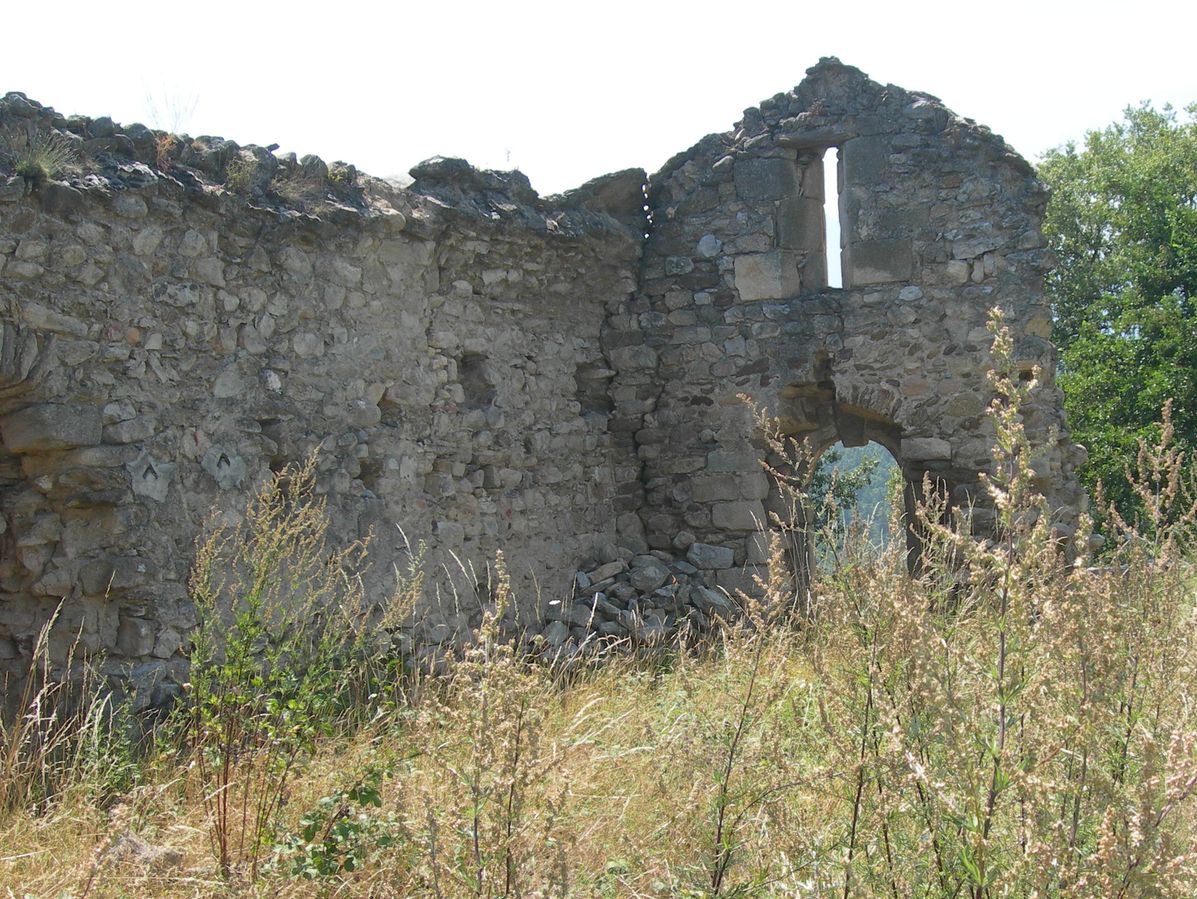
(439, 346)
(940, 223)
(491, 370)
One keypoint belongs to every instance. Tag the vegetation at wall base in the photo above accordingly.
(1007, 721)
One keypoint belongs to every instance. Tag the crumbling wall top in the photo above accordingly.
(837, 102)
(109, 158)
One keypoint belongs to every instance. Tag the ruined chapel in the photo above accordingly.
(483, 368)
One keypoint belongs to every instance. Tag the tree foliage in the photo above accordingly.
(838, 479)
(854, 481)
(1123, 223)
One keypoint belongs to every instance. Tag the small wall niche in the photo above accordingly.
(477, 381)
(592, 381)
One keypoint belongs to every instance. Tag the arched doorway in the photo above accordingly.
(817, 447)
(853, 491)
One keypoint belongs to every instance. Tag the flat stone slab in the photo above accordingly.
(606, 571)
(878, 262)
(708, 557)
(765, 179)
(52, 426)
(766, 276)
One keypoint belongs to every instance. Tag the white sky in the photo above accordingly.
(568, 91)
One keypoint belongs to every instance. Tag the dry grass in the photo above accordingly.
(619, 776)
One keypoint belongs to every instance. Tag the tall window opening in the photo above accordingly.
(832, 185)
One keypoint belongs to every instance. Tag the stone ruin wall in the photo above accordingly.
(439, 346)
(490, 370)
(939, 224)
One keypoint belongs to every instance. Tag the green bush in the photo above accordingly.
(285, 653)
(342, 831)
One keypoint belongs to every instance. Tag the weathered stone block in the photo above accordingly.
(743, 485)
(45, 319)
(708, 557)
(606, 571)
(132, 430)
(146, 240)
(742, 580)
(128, 205)
(308, 345)
(12, 189)
(225, 466)
(556, 633)
(168, 642)
(150, 478)
(52, 426)
(738, 516)
(115, 574)
(60, 199)
(728, 460)
(709, 246)
(977, 246)
(711, 602)
(766, 276)
(210, 270)
(135, 637)
(813, 184)
(800, 224)
(757, 549)
(765, 179)
(814, 269)
(648, 577)
(877, 262)
(925, 449)
(634, 357)
(865, 161)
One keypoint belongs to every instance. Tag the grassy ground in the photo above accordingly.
(886, 747)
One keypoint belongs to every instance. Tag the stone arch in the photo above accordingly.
(813, 419)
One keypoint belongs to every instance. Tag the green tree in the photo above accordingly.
(851, 481)
(841, 484)
(1122, 221)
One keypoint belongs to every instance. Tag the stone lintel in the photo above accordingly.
(812, 138)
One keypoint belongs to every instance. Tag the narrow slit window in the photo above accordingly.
(831, 215)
